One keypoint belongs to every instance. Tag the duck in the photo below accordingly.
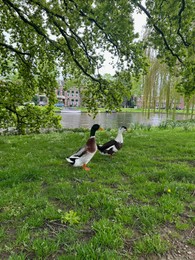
(82, 157)
(114, 145)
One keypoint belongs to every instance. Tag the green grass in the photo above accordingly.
(140, 203)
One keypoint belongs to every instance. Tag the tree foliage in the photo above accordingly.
(172, 25)
(23, 116)
(38, 36)
(69, 33)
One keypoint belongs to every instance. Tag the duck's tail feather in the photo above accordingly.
(99, 147)
(70, 160)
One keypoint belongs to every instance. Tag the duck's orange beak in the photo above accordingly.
(100, 129)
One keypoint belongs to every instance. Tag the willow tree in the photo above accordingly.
(160, 88)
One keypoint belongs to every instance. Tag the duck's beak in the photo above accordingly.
(100, 129)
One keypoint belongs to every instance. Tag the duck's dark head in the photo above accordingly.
(94, 128)
(122, 129)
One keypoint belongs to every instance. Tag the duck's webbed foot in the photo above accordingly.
(85, 167)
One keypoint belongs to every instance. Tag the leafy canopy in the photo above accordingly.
(172, 25)
(38, 36)
(72, 34)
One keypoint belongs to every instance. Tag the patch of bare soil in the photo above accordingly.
(180, 247)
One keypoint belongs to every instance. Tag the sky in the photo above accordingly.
(139, 22)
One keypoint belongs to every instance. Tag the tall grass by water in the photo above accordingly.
(139, 204)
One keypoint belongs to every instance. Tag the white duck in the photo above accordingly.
(113, 145)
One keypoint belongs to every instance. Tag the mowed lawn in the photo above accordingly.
(139, 204)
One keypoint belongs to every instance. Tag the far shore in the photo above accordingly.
(131, 110)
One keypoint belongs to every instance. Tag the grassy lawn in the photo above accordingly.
(139, 204)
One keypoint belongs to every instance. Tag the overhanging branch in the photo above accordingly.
(26, 21)
(180, 20)
(19, 53)
(94, 21)
(41, 32)
(159, 31)
(11, 48)
(73, 55)
(74, 35)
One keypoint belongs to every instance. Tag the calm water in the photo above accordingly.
(113, 120)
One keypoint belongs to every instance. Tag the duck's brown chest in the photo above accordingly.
(91, 145)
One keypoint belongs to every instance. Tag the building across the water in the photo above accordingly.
(70, 97)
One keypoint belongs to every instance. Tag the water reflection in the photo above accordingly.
(113, 120)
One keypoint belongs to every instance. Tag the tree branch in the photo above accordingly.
(19, 53)
(100, 27)
(35, 27)
(74, 35)
(159, 31)
(180, 19)
(11, 48)
(40, 32)
(73, 55)
(92, 20)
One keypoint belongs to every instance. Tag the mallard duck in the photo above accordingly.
(113, 145)
(85, 154)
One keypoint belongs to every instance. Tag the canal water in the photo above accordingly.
(114, 120)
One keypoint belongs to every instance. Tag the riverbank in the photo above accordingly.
(131, 110)
(140, 203)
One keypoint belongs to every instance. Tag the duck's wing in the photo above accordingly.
(107, 145)
(71, 159)
(80, 152)
(90, 147)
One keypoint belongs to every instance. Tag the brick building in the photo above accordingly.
(70, 97)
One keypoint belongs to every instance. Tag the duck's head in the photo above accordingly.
(122, 129)
(95, 128)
